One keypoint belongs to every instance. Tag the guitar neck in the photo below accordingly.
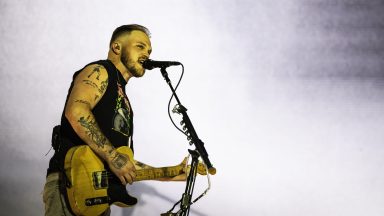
(156, 173)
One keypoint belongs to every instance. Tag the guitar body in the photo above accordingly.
(93, 188)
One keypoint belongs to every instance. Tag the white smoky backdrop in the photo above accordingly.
(286, 95)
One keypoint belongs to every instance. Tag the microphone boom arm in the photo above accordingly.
(186, 122)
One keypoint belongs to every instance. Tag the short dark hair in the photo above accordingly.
(127, 29)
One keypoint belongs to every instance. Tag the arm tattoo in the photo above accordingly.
(96, 70)
(93, 131)
(101, 90)
(119, 161)
(103, 86)
(83, 101)
(89, 82)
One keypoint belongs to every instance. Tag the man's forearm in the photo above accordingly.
(85, 125)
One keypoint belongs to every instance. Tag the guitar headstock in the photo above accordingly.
(201, 169)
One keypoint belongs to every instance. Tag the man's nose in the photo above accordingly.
(148, 53)
(145, 56)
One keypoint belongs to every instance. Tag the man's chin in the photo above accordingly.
(139, 73)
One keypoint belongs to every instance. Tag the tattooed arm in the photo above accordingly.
(89, 87)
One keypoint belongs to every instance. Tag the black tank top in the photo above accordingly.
(113, 114)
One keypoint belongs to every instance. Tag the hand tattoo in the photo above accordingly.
(119, 161)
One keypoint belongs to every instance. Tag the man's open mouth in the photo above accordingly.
(141, 61)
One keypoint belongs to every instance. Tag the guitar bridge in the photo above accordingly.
(100, 179)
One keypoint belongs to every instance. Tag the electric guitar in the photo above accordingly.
(92, 187)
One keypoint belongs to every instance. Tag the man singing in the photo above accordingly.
(97, 113)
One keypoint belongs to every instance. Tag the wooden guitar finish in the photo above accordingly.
(93, 188)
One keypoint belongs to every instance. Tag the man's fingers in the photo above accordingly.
(122, 179)
(132, 172)
(133, 175)
(129, 178)
(127, 174)
(133, 168)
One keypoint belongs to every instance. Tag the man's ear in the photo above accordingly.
(116, 48)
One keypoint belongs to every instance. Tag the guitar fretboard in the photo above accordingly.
(156, 173)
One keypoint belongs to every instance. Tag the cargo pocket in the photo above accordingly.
(51, 189)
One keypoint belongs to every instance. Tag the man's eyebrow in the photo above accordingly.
(142, 43)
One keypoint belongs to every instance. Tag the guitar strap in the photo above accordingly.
(60, 148)
(130, 143)
(63, 184)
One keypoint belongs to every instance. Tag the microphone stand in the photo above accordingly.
(199, 151)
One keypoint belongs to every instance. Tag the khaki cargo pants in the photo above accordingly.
(54, 201)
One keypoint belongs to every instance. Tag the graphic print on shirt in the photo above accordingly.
(122, 118)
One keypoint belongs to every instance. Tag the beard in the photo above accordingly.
(130, 64)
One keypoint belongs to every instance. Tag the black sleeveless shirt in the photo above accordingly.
(113, 115)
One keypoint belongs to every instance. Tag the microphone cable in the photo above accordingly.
(170, 100)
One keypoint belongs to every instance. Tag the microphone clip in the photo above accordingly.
(179, 109)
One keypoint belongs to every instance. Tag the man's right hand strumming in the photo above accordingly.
(122, 167)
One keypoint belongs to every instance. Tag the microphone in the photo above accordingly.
(150, 64)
